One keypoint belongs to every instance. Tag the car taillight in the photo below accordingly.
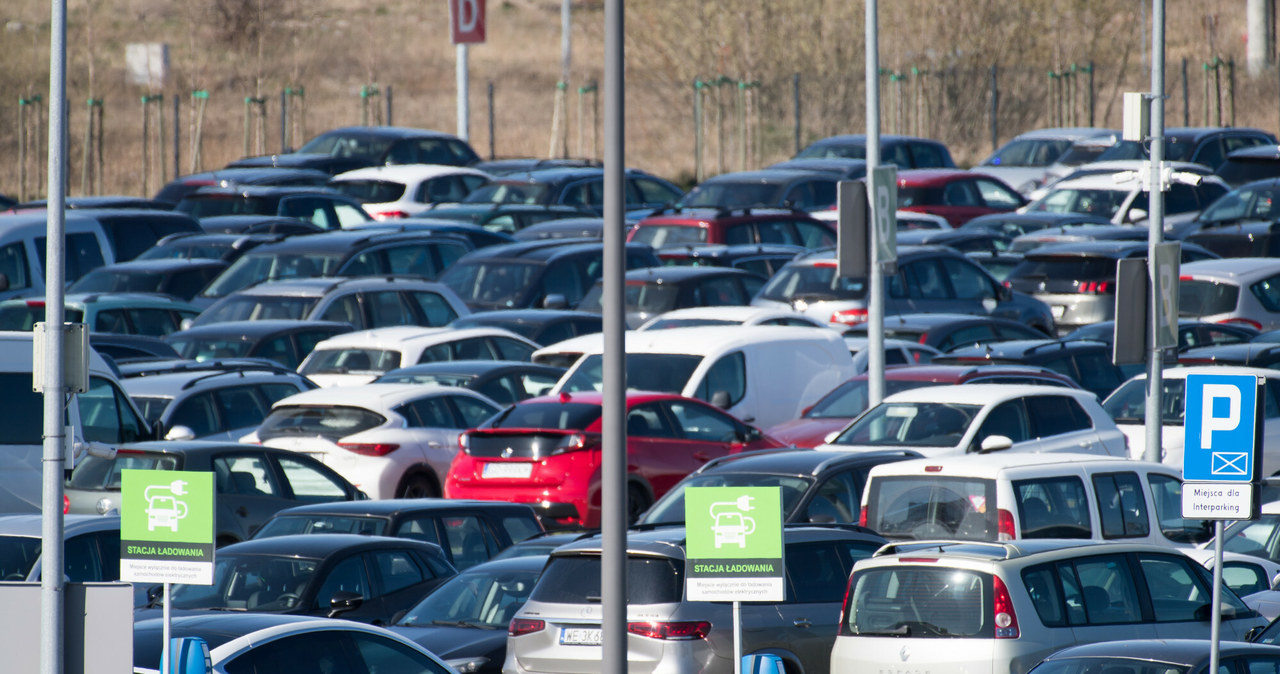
(571, 443)
(464, 441)
(671, 631)
(844, 630)
(521, 626)
(849, 316)
(1006, 618)
(389, 215)
(862, 517)
(35, 304)
(1004, 526)
(1243, 321)
(1094, 287)
(369, 448)
(66, 504)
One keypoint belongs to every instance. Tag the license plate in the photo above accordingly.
(580, 636)
(507, 469)
(1058, 310)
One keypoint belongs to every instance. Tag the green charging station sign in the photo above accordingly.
(166, 526)
(733, 544)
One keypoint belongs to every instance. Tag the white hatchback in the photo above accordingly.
(980, 418)
(390, 440)
(360, 357)
(407, 190)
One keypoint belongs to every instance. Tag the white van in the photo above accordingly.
(764, 375)
(104, 414)
(1001, 497)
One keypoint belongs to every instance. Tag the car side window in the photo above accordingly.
(926, 280)
(1097, 372)
(1210, 154)
(1046, 595)
(431, 413)
(654, 192)
(816, 573)
(469, 541)
(926, 155)
(974, 334)
(961, 193)
(240, 407)
(996, 195)
(347, 576)
(82, 560)
(245, 475)
(1056, 415)
(648, 421)
(387, 307)
(347, 215)
(813, 235)
(967, 283)
(717, 292)
(1008, 419)
(308, 483)
(729, 374)
(153, 322)
(837, 499)
(1176, 590)
(1053, 508)
(775, 231)
(395, 570)
(738, 234)
(696, 422)
(13, 264)
(106, 415)
(1107, 589)
(1245, 578)
(421, 528)
(345, 309)
(1166, 498)
(472, 411)
(197, 413)
(435, 309)
(511, 349)
(1121, 506)
(381, 654)
(1268, 292)
(562, 278)
(323, 652)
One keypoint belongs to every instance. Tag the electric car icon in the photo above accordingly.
(164, 510)
(731, 527)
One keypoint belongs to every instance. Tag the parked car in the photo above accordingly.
(945, 331)
(504, 381)
(1118, 194)
(1201, 145)
(578, 187)
(817, 487)
(672, 633)
(469, 532)
(182, 279)
(563, 228)
(1191, 333)
(360, 357)
(693, 317)
(1080, 233)
(1259, 537)
(390, 192)
(319, 206)
(896, 352)
(362, 578)
(652, 291)
(353, 147)
(1086, 363)
(250, 483)
(956, 195)
(1252, 354)
(210, 246)
(282, 341)
(963, 240)
(697, 226)
(982, 418)
(505, 219)
(1016, 224)
(391, 440)
(1165, 655)
(510, 165)
(769, 188)
(545, 452)
(120, 349)
(362, 302)
(1003, 497)
(1006, 606)
(544, 326)
(251, 223)
(1257, 162)
(91, 548)
(1031, 158)
(836, 409)
(903, 151)
(179, 187)
(115, 313)
(1232, 290)
(843, 168)
(764, 259)
(929, 279)
(1242, 222)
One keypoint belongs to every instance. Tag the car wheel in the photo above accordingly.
(418, 486)
(638, 501)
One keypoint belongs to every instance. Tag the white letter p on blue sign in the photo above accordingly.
(1209, 422)
(1220, 424)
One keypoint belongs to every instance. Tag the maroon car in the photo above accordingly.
(697, 226)
(959, 196)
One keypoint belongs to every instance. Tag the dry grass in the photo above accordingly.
(334, 47)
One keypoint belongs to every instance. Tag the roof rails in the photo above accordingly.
(218, 367)
(1061, 344)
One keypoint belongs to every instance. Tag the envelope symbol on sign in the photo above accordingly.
(1228, 463)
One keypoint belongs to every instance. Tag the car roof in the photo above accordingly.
(1183, 371)
(384, 132)
(320, 286)
(991, 465)
(498, 317)
(797, 461)
(250, 330)
(668, 541)
(1111, 248)
(1072, 133)
(680, 273)
(406, 172)
(542, 250)
(1240, 269)
(1231, 352)
(981, 394)
(32, 526)
(1001, 551)
(1050, 217)
(1186, 652)
(404, 335)
(317, 545)
(161, 265)
(932, 320)
(936, 176)
(170, 383)
(346, 241)
(962, 372)
(739, 313)
(376, 396)
(1024, 348)
(400, 506)
(706, 339)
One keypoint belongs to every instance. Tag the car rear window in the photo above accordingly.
(342, 361)
(669, 235)
(372, 191)
(812, 282)
(575, 579)
(931, 506)
(322, 524)
(330, 422)
(1205, 298)
(1065, 268)
(919, 602)
(562, 416)
(95, 472)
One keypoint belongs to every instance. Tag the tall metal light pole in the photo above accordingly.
(875, 277)
(1155, 234)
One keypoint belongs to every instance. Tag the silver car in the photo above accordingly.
(558, 629)
(1232, 290)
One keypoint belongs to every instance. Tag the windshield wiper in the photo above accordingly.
(470, 622)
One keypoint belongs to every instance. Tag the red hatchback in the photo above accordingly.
(697, 226)
(958, 196)
(546, 452)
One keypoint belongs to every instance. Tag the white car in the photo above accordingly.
(1117, 194)
(1028, 160)
(407, 190)
(390, 440)
(359, 357)
(1243, 290)
(896, 352)
(1127, 405)
(980, 418)
(729, 315)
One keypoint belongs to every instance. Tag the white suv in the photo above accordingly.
(943, 607)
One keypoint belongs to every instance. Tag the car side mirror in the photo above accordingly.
(343, 601)
(995, 443)
(1136, 215)
(555, 301)
(180, 433)
(1003, 292)
(721, 399)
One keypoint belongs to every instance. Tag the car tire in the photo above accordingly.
(418, 486)
(638, 501)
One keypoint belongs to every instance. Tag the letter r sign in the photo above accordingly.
(466, 21)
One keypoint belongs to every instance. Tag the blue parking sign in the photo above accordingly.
(1220, 428)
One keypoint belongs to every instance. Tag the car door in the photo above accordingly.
(1101, 596)
(430, 435)
(309, 481)
(807, 621)
(1059, 424)
(400, 579)
(249, 492)
(836, 498)
(1178, 588)
(657, 450)
(704, 433)
(343, 571)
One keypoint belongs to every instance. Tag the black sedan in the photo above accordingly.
(364, 578)
(464, 621)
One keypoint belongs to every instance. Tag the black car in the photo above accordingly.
(478, 235)
(182, 279)
(1087, 363)
(355, 252)
(179, 187)
(353, 147)
(251, 482)
(1076, 234)
(513, 165)
(817, 487)
(544, 326)
(578, 187)
(564, 228)
(762, 259)
(963, 240)
(1251, 354)
(657, 290)
(259, 224)
(505, 218)
(1191, 333)
(948, 331)
(1016, 224)
(554, 274)
(469, 532)
(504, 381)
(770, 188)
(1245, 222)
(130, 231)
(319, 206)
(1258, 162)
(283, 341)
(905, 152)
(843, 168)
(225, 247)
(1202, 145)
(118, 348)
(106, 201)
(465, 620)
(364, 578)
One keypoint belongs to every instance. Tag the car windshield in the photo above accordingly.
(670, 508)
(496, 283)
(360, 147)
(437, 378)
(733, 194)
(332, 422)
(479, 598)
(1100, 202)
(932, 507)
(1174, 150)
(922, 424)
(206, 348)
(152, 407)
(344, 361)
(18, 555)
(1029, 152)
(848, 150)
(287, 525)
(1253, 537)
(248, 583)
(258, 307)
(1246, 203)
(575, 579)
(812, 282)
(669, 235)
(252, 269)
(1127, 404)
(850, 398)
(662, 372)
(117, 281)
(1116, 664)
(509, 193)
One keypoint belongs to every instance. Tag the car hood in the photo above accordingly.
(458, 642)
(807, 432)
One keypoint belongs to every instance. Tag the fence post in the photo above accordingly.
(388, 100)
(284, 121)
(995, 109)
(91, 130)
(22, 148)
(795, 96)
(1217, 91)
(177, 136)
(1089, 70)
(697, 130)
(1231, 90)
(293, 108)
(1186, 95)
(740, 105)
(489, 97)
(199, 98)
(1053, 100)
(1206, 93)
(146, 145)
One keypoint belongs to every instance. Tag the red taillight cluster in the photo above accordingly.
(1243, 321)
(389, 215)
(1094, 287)
(849, 316)
(671, 631)
(369, 448)
(1004, 526)
(1005, 617)
(862, 517)
(521, 626)
(66, 504)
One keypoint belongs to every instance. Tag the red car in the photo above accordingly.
(836, 409)
(697, 226)
(958, 196)
(546, 452)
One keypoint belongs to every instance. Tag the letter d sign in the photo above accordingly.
(466, 21)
